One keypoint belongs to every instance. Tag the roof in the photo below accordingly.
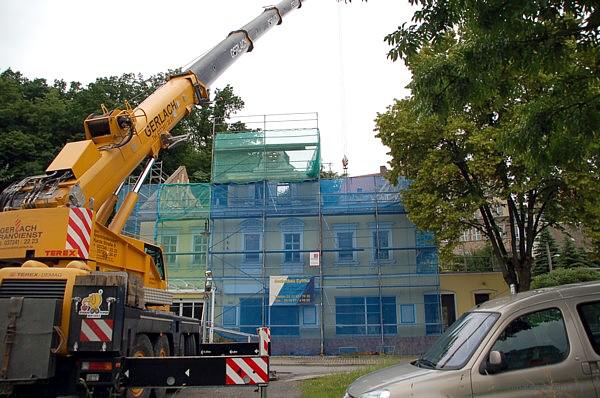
(539, 296)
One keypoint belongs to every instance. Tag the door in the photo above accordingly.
(539, 351)
(589, 314)
(448, 310)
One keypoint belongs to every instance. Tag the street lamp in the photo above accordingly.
(210, 287)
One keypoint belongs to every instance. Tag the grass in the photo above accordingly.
(334, 386)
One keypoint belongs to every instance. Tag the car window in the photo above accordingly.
(590, 317)
(456, 346)
(535, 339)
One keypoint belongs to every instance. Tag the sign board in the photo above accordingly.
(291, 290)
(315, 259)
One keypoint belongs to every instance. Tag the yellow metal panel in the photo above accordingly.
(41, 230)
(76, 156)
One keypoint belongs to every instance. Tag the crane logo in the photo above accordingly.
(90, 305)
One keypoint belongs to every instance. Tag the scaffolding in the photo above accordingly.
(262, 153)
(332, 266)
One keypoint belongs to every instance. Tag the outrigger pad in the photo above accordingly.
(29, 323)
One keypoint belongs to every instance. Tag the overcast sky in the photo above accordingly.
(326, 57)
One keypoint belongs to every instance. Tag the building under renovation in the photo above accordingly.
(331, 265)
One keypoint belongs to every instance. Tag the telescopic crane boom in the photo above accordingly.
(78, 297)
(87, 173)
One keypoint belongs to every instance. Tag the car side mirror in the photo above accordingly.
(495, 363)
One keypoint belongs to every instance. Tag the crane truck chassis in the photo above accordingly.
(84, 309)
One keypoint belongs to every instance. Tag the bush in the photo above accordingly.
(564, 276)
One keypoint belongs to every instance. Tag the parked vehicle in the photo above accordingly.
(84, 308)
(539, 343)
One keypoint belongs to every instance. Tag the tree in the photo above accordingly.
(564, 276)
(545, 251)
(202, 124)
(571, 256)
(38, 119)
(503, 110)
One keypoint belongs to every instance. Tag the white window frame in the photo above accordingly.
(382, 227)
(311, 324)
(341, 228)
(414, 311)
(193, 242)
(166, 253)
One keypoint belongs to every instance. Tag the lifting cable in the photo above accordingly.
(342, 85)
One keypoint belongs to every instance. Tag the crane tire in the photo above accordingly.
(161, 349)
(190, 345)
(141, 348)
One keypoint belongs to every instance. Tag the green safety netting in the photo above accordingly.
(183, 201)
(272, 155)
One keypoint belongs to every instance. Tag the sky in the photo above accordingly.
(327, 58)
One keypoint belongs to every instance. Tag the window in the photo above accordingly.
(362, 315)
(535, 339)
(455, 347)
(220, 195)
(200, 249)
(472, 234)
(432, 314)
(250, 315)
(291, 245)
(252, 248)
(381, 244)
(590, 317)
(229, 315)
(309, 315)
(283, 191)
(427, 260)
(189, 309)
(407, 313)
(169, 243)
(345, 242)
(481, 298)
(259, 193)
(285, 320)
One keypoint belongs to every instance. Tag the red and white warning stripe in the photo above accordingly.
(79, 230)
(247, 370)
(100, 330)
(264, 336)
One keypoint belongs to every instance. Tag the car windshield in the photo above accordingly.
(454, 348)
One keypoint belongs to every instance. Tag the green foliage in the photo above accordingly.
(197, 156)
(328, 174)
(564, 276)
(545, 243)
(480, 260)
(504, 108)
(38, 119)
(334, 386)
(571, 256)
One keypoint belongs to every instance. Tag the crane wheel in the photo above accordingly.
(189, 343)
(141, 348)
(161, 349)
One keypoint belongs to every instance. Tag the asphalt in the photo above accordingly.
(290, 371)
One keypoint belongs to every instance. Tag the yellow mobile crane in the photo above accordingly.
(80, 301)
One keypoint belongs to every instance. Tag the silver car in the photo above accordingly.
(541, 343)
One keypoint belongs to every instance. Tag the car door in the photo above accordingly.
(588, 311)
(538, 357)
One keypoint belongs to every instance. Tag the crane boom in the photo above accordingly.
(87, 173)
(208, 68)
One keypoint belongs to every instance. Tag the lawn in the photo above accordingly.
(334, 386)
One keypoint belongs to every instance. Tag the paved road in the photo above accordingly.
(290, 370)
